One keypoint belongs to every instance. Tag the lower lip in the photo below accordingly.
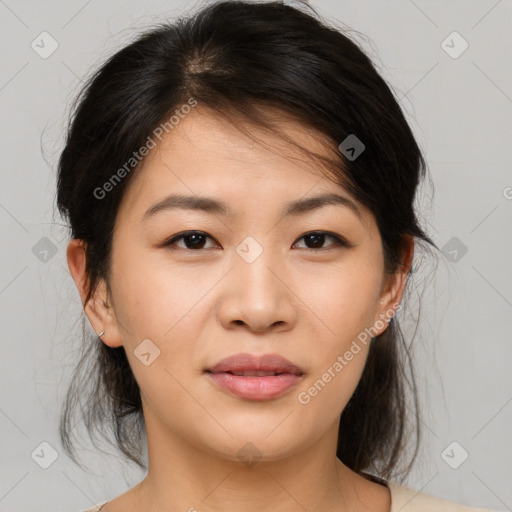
(256, 388)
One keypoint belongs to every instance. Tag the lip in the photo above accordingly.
(249, 362)
(257, 388)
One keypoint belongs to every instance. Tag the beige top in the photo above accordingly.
(403, 499)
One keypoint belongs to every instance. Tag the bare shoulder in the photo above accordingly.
(405, 499)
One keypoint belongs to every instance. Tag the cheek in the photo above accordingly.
(150, 296)
(338, 368)
(326, 393)
(344, 300)
(344, 297)
(157, 303)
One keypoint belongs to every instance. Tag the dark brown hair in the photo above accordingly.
(240, 60)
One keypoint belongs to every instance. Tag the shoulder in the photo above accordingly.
(404, 499)
(96, 508)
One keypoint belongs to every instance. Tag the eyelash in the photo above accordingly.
(339, 241)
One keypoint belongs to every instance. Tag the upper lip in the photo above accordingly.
(249, 362)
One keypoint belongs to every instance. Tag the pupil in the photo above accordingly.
(317, 238)
(197, 240)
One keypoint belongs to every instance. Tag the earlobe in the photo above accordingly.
(97, 309)
(102, 318)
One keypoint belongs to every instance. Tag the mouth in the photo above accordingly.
(253, 377)
(252, 365)
(255, 387)
(254, 373)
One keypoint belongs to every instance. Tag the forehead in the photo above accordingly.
(207, 137)
(210, 143)
(206, 155)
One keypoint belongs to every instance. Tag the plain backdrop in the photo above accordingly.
(458, 101)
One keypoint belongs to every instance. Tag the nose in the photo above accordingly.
(258, 295)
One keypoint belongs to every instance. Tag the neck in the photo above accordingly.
(185, 477)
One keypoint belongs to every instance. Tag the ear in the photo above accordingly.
(393, 287)
(99, 310)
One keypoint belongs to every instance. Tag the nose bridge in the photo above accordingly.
(253, 262)
(258, 294)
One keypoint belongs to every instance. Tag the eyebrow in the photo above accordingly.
(213, 206)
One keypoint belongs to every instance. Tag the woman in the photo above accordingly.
(240, 188)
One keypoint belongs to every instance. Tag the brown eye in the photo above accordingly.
(192, 240)
(316, 239)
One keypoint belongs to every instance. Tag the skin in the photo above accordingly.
(305, 305)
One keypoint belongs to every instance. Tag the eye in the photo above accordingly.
(317, 239)
(192, 239)
(196, 240)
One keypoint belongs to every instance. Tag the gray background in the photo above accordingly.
(460, 110)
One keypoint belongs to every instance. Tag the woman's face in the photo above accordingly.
(250, 282)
